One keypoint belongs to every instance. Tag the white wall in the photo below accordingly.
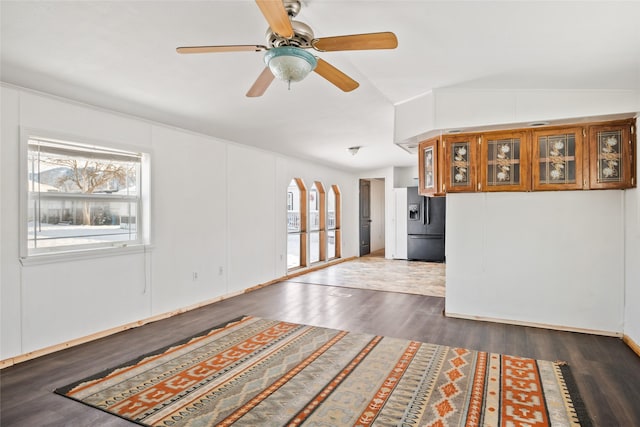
(218, 209)
(482, 107)
(188, 185)
(66, 300)
(10, 315)
(413, 117)
(455, 108)
(632, 261)
(251, 204)
(549, 258)
(406, 176)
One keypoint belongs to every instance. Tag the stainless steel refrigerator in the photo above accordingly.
(425, 226)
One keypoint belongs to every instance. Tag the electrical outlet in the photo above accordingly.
(195, 276)
(220, 271)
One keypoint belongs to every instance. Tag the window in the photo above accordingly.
(313, 224)
(82, 197)
(296, 224)
(333, 223)
(317, 221)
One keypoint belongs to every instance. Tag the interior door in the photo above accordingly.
(365, 217)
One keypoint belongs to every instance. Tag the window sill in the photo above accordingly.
(83, 254)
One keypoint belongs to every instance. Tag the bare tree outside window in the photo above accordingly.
(91, 176)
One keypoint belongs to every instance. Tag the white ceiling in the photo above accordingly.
(121, 55)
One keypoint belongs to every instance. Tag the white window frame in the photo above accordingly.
(61, 253)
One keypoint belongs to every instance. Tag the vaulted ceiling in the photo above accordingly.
(121, 55)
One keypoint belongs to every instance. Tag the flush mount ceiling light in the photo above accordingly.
(536, 124)
(290, 63)
(354, 150)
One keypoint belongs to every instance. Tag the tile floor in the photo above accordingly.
(374, 272)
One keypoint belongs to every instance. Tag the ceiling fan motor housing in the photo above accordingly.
(302, 36)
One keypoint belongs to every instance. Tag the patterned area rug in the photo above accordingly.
(259, 372)
(379, 274)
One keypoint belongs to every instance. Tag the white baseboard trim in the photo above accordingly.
(535, 325)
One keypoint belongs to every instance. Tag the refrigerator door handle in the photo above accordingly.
(426, 218)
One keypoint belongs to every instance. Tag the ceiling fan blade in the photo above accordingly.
(261, 84)
(277, 17)
(335, 76)
(386, 40)
(228, 48)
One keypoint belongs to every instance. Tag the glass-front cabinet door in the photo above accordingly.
(429, 168)
(611, 155)
(460, 163)
(504, 162)
(558, 159)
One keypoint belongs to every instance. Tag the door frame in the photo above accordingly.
(364, 222)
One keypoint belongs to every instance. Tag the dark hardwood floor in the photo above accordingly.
(607, 372)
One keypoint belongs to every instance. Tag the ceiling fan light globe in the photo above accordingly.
(289, 63)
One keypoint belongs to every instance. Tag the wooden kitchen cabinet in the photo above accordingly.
(429, 168)
(584, 156)
(460, 163)
(558, 159)
(611, 155)
(504, 161)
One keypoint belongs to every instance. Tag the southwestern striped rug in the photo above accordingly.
(259, 372)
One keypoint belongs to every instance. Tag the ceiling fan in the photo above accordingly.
(286, 55)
